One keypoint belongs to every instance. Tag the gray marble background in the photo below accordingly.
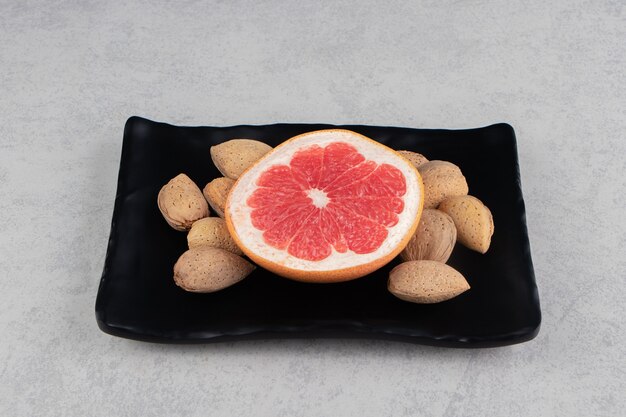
(72, 72)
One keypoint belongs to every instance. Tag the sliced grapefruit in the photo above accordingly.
(325, 206)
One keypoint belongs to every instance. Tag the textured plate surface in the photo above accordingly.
(138, 299)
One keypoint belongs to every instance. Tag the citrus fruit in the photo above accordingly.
(325, 206)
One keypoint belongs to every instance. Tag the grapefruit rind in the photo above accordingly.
(339, 266)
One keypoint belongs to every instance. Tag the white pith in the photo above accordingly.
(318, 197)
(252, 238)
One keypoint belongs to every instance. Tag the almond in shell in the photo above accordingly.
(206, 269)
(233, 157)
(181, 203)
(433, 239)
(216, 193)
(473, 220)
(441, 179)
(417, 159)
(212, 231)
(426, 282)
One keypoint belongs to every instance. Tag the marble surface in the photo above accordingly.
(72, 72)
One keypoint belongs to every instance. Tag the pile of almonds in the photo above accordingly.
(449, 215)
(214, 261)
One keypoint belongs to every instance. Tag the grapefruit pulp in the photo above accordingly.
(325, 206)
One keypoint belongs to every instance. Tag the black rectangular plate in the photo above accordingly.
(138, 299)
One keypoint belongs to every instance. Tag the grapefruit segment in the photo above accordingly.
(280, 177)
(384, 181)
(338, 158)
(309, 243)
(266, 217)
(280, 234)
(332, 232)
(325, 206)
(392, 179)
(307, 165)
(361, 234)
(375, 209)
(265, 196)
(352, 175)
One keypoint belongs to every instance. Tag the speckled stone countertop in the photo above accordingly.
(72, 72)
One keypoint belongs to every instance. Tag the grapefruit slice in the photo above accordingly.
(325, 206)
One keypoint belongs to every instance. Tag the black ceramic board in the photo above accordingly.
(137, 297)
